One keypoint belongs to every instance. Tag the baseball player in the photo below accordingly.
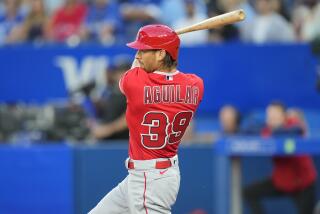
(161, 102)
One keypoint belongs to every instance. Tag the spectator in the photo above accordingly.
(279, 6)
(193, 38)
(171, 11)
(103, 22)
(112, 107)
(53, 5)
(230, 120)
(66, 21)
(137, 13)
(233, 32)
(230, 5)
(2, 7)
(292, 176)
(295, 118)
(10, 21)
(306, 20)
(267, 25)
(34, 26)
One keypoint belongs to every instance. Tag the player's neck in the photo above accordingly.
(167, 69)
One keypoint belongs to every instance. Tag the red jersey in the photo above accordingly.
(292, 173)
(160, 107)
(67, 21)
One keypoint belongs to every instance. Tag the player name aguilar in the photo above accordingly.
(171, 94)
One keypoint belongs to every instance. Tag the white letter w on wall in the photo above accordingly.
(91, 68)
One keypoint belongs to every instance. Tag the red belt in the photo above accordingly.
(159, 164)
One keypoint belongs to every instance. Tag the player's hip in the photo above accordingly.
(152, 164)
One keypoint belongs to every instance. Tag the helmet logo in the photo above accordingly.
(141, 35)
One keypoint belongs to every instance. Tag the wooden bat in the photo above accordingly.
(216, 21)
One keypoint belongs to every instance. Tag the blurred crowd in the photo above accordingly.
(292, 176)
(88, 118)
(111, 22)
(275, 120)
(92, 120)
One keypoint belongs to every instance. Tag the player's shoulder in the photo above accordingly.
(127, 79)
(135, 72)
(192, 77)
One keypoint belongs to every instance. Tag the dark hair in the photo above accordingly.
(168, 61)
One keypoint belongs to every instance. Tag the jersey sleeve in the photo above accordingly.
(201, 89)
(197, 81)
(125, 80)
(121, 81)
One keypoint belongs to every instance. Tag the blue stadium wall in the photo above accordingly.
(245, 75)
(72, 179)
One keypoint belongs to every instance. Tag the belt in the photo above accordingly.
(158, 164)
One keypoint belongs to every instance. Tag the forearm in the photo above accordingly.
(108, 129)
(118, 125)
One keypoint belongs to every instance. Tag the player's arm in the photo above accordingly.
(108, 129)
(200, 84)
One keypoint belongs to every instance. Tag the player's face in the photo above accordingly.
(148, 60)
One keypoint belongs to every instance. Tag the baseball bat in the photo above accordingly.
(216, 21)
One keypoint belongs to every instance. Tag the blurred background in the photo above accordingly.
(258, 124)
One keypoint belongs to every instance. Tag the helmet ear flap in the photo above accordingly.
(157, 37)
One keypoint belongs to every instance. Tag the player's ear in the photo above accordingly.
(161, 54)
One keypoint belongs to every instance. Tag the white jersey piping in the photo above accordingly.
(166, 73)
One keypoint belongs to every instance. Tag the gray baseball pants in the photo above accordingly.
(146, 190)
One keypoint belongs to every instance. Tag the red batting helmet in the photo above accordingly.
(153, 37)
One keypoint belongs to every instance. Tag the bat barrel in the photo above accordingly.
(216, 21)
(241, 14)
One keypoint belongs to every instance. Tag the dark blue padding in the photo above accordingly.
(36, 179)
